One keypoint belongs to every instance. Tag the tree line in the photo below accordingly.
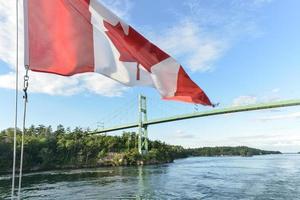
(228, 151)
(47, 149)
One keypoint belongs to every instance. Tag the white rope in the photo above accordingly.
(22, 152)
(16, 105)
(26, 78)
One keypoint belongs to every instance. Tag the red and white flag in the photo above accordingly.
(68, 37)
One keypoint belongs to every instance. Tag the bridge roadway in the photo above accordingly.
(237, 109)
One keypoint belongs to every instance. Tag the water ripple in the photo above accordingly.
(254, 178)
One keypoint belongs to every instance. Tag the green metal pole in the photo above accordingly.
(140, 124)
(145, 127)
(142, 127)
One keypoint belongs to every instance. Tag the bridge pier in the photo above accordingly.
(142, 126)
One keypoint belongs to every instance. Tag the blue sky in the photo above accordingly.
(240, 52)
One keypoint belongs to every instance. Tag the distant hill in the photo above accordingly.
(229, 151)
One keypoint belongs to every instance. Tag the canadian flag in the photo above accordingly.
(68, 37)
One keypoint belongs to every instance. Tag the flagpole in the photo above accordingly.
(16, 103)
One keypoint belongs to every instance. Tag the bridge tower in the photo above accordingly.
(142, 127)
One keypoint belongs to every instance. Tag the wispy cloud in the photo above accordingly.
(270, 96)
(244, 100)
(120, 8)
(66, 86)
(294, 115)
(7, 31)
(285, 140)
(183, 135)
(39, 82)
(208, 29)
(288, 138)
(187, 39)
(199, 38)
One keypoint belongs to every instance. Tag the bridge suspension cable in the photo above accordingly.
(121, 114)
(262, 106)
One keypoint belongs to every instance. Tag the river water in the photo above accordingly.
(258, 177)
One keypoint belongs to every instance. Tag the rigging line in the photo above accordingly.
(16, 103)
(124, 114)
(116, 112)
(25, 97)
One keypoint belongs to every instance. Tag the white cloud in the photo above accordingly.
(40, 82)
(199, 39)
(66, 86)
(108, 87)
(211, 29)
(244, 100)
(120, 8)
(7, 31)
(187, 39)
(271, 96)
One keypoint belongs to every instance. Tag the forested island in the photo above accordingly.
(63, 148)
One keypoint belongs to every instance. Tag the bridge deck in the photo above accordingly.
(238, 109)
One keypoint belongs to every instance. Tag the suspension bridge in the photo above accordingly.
(143, 122)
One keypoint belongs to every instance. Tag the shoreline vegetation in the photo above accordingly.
(46, 149)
